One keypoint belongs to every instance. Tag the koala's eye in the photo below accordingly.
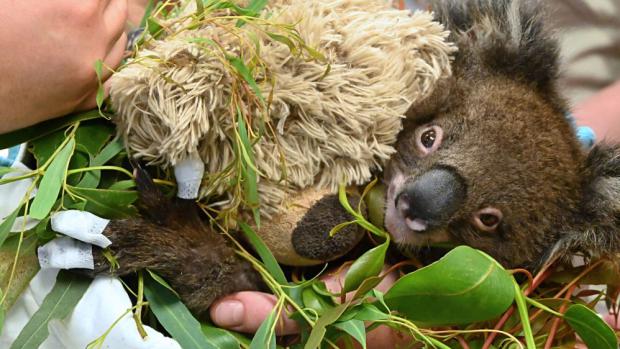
(428, 139)
(487, 219)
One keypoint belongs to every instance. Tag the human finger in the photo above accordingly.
(115, 20)
(246, 311)
(90, 101)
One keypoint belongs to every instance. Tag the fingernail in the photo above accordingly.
(229, 313)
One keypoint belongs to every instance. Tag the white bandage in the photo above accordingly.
(66, 253)
(81, 225)
(189, 173)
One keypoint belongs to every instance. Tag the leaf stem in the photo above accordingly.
(523, 313)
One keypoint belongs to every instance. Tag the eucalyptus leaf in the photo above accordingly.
(7, 224)
(123, 185)
(355, 328)
(369, 312)
(91, 178)
(42, 129)
(43, 148)
(595, 332)
(50, 185)
(5, 170)
(366, 266)
(246, 74)
(111, 204)
(2, 313)
(100, 90)
(320, 328)
(463, 287)
(91, 136)
(61, 300)
(222, 339)
(266, 256)
(175, 317)
(162, 282)
(250, 179)
(25, 269)
(315, 301)
(265, 336)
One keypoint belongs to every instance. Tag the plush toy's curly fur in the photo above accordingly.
(173, 98)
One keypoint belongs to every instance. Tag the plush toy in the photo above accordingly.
(335, 79)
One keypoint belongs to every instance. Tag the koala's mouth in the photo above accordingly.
(409, 230)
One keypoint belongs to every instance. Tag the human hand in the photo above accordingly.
(49, 51)
(245, 311)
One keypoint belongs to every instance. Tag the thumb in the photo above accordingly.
(246, 311)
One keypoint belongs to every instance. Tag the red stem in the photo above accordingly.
(558, 320)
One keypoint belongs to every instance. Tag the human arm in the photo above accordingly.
(49, 51)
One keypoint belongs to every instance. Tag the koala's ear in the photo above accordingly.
(596, 229)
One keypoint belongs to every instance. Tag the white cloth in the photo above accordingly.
(103, 303)
(66, 253)
(189, 173)
(81, 225)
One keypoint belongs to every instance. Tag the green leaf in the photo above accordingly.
(52, 182)
(317, 302)
(26, 268)
(355, 328)
(222, 339)
(265, 337)
(246, 74)
(320, 328)
(375, 205)
(123, 185)
(175, 317)
(2, 315)
(463, 287)
(366, 266)
(257, 5)
(5, 170)
(7, 224)
(44, 147)
(524, 315)
(91, 136)
(44, 128)
(162, 282)
(91, 178)
(100, 90)
(595, 332)
(65, 295)
(266, 256)
(111, 204)
(250, 179)
(369, 312)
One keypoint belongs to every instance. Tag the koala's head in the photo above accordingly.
(490, 160)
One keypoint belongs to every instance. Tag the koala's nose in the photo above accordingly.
(432, 198)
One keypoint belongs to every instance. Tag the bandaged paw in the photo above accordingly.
(81, 225)
(189, 173)
(66, 253)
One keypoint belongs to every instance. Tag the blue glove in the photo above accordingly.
(585, 135)
(9, 156)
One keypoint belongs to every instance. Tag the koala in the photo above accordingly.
(488, 160)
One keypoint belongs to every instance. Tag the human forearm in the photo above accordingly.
(49, 50)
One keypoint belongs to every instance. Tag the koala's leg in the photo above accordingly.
(197, 262)
(174, 241)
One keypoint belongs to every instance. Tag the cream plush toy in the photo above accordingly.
(330, 116)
